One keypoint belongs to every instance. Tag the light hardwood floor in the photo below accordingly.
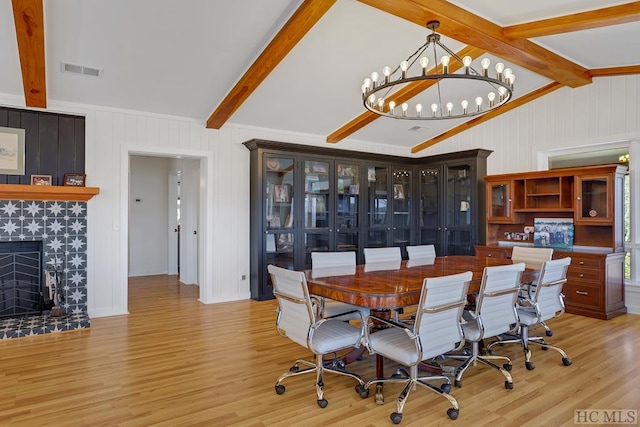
(176, 362)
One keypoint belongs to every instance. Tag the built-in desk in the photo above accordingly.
(595, 279)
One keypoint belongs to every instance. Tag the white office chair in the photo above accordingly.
(297, 321)
(333, 263)
(495, 314)
(436, 330)
(382, 255)
(546, 303)
(422, 252)
(533, 258)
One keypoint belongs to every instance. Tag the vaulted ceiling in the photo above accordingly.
(298, 65)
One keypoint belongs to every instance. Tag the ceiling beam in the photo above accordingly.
(29, 20)
(488, 116)
(615, 71)
(406, 93)
(465, 27)
(622, 14)
(304, 18)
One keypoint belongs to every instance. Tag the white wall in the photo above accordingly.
(148, 215)
(605, 110)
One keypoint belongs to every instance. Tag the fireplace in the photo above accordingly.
(21, 290)
(53, 221)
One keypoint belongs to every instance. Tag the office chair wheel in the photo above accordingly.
(322, 403)
(363, 392)
(545, 348)
(508, 385)
(508, 367)
(294, 368)
(457, 383)
(549, 333)
(446, 388)
(452, 413)
(566, 361)
(396, 418)
(491, 352)
(280, 389)
(530, 366)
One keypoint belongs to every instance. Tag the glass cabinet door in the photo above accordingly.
(458, 210)
(377, 199)
(430, 220)
(279, 185)
(348, 205)
(499, 201)
(594, 199)
(317, 208)
(401, 220)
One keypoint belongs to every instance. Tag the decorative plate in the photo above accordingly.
(273, 164)
(593, 213)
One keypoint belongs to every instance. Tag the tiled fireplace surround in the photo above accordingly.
(62, 228)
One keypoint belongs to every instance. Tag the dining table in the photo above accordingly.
(387, 286)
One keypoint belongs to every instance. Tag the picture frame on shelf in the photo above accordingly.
(398, 191)
(281, 193)
(11, 151)
(354, 189)
(74, 179)
(40, 179)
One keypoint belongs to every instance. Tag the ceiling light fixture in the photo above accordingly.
(377, 96)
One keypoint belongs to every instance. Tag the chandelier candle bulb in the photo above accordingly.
(485, 66)
(447, 72)
(424, 63)
(491, 97)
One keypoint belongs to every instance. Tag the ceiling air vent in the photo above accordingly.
(80, 69)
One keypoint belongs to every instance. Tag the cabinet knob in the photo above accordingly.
(581, 262)
(578, 198)
(489, 255)
(582, 293)
(582, 276)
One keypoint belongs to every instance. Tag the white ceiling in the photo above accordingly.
(182, 57)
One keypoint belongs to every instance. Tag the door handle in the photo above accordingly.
(195, 232)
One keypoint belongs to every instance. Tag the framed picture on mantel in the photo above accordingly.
(11, 151)
(74, 179)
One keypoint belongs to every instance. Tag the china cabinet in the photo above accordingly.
(306, 199)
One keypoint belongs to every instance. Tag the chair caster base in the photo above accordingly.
(530, 366)
(280, 389)
(457, 383)
(566, 361)
(507, 367)
(508, 385)
(322, 403)
(363, 392)
(446, 388)
(453, 413)
(396, 418)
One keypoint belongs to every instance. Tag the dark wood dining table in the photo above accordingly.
(388, 286)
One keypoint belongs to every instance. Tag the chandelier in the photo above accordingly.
(485, 92)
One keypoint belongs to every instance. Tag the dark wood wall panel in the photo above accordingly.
(54, 144)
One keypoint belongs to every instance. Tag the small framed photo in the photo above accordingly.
(74, 179)
(398, 191)
(40, 179)
(281, 193)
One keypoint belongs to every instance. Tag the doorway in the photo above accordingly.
(197, 168)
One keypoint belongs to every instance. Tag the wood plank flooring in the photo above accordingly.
(176, 362)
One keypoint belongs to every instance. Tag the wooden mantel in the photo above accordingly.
(46, 192)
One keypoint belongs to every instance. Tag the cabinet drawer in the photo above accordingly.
(577, 274)
(583, 262)
(491, 252)
(582, 295)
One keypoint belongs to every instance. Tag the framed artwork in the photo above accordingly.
(74, 179)
(40, 179)
(281, 193)
(398, 191)
(11, 151)
(553, 232)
